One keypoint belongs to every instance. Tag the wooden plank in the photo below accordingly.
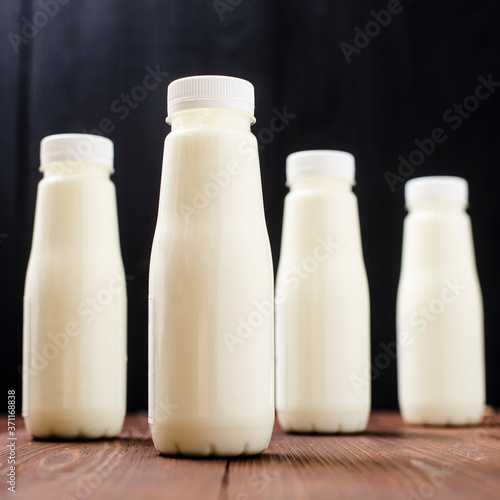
(128, 467)
(389, 461)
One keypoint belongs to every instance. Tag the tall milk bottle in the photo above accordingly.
(439, 308)
(75, 303)
(322, 300)
(211, 279)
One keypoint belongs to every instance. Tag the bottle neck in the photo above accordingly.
(64, 169)
(211, 118)
(442, 206)
(321, 184)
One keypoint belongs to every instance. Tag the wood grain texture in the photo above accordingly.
(389, 461)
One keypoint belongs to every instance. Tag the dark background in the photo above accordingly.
(395, 90)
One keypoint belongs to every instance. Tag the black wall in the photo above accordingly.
(68, 76)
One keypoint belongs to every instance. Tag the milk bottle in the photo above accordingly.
(74, 359)
(211, 279)
(439, 308)
(322, 300)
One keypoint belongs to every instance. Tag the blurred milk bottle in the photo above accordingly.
(211, 278)
(322, 300)
(75, 304)
(439, 308)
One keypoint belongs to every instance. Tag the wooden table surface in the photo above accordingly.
(389, 461)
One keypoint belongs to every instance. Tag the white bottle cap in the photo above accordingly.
(76, 147)
(442, 187)
(210, 91)
(320, 163)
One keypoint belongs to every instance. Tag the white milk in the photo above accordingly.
(439, 308)
(74, 366)
(211, 280)
(322, 300)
